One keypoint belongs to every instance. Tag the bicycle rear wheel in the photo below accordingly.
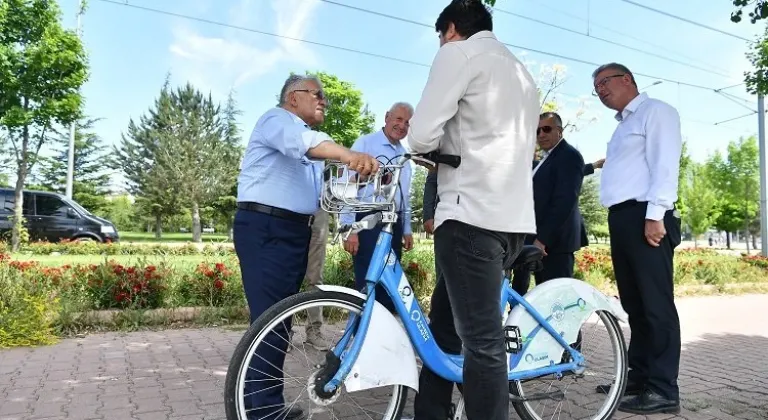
(242, 378)
(586, 404)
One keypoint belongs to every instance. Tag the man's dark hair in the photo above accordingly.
(618, 67)
(558, 120)
(468, 16)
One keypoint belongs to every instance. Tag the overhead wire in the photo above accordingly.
(124, 3)
(682, 19)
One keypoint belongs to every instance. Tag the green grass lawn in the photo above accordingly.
(169, 237)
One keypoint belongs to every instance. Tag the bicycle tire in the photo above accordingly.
(614, 329)
(235, 369)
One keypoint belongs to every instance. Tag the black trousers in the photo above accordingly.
(273, 260)
(644, 277)
(465, 315)
(554, 266)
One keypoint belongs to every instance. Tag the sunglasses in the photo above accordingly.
(546, 129)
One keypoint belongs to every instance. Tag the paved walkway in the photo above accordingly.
(179, 374)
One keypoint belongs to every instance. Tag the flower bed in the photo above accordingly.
(39, 303)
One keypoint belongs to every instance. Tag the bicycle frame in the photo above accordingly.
(387, 270)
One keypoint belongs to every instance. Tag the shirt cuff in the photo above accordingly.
(655, 212)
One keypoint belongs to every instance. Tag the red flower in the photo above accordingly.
(218, 284)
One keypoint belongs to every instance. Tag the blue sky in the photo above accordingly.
(132, 50)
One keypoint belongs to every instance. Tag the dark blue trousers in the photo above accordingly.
(273, 260)
(362, 259)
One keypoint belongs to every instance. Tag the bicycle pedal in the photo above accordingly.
(513, 339)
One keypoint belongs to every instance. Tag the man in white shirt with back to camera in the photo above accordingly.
(481, 103)
(639, 188)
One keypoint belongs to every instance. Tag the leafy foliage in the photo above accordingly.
(759, 10)
(346, 117)
(42, 67)
(91, 182)
(699, 196)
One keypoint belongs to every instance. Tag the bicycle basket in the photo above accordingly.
(346, 192)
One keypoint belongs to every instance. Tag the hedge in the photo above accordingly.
(38, 304)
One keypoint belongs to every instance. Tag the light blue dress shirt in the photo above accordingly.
(378, 145)
(276, 170)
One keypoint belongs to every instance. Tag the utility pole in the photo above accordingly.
(763, 175)
(71, 155)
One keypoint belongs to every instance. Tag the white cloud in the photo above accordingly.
(233, 59)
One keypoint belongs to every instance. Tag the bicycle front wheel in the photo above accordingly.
(264, 378)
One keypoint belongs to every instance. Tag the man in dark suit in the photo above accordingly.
(557, 180)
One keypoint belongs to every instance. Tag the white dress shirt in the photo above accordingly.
(481, 103)
(643, 158)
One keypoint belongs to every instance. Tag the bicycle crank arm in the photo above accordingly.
(554, 395)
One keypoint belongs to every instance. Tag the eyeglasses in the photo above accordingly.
(604, 82)
(318, 94)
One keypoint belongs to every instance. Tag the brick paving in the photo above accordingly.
(179, 374)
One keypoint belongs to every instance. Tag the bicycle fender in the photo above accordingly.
(565, 303)
(387, 357)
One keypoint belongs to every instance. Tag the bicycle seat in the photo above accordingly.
(529, 259)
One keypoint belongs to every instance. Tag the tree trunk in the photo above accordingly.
(158, 226)
(197, 231)
(728, 240)
(21, 176)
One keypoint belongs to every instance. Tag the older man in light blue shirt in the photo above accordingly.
(278, 193)
(386, 146)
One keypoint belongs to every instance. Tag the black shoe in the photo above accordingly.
(649, 402)
(633, 388)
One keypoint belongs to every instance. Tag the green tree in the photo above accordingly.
(222, 209)
(197, 154)
(759, 10)
(137, 156)
(91, 182)
(737, 182)
(756, 79)
(42, 67)
(347, 117)
(685, 166)
(594, 214)
(700, 198)
(418, 180)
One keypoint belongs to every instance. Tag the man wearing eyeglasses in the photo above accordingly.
(272, 228)
(557, 180)
(639, 188)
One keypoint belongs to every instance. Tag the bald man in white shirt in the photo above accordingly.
(639, 188)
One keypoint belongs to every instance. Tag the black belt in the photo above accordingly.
(277, 212)
(625, 204)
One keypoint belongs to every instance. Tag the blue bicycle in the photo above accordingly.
(543, 332)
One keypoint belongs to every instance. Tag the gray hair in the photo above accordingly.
(405, 105)
(615, 66)
(554, 115)
(293, 82)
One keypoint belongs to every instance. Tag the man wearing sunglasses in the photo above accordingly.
(639, 188)
(557, 180)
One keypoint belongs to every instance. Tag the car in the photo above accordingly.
(53, 217)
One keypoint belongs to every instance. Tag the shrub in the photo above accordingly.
(27, 306)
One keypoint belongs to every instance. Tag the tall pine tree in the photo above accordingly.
(90, 180)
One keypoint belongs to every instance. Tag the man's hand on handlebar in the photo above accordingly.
(362, 163)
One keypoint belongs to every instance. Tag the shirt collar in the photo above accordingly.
(483, 34)
(294, 117)
(385, 141)
(545, 153)
(631, 106)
